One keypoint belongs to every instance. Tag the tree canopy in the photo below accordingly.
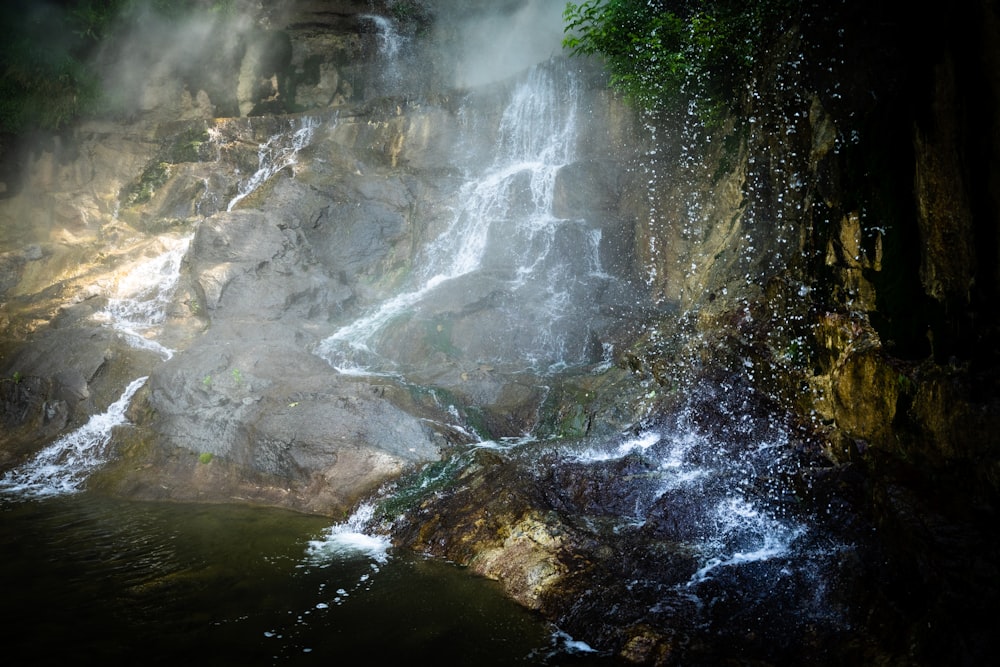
(660, 52)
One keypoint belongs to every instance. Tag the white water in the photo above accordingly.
(275, 154)
(352, 538)
(759, 535)
(503, 222)
(389, 40)
(392, 71)
(139, 297)
(62, 467)
(141, 294)
(733, 528)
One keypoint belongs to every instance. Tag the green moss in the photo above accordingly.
(565, 413)
(154, 176)
(192, 145)
(205, 457)
(413, 488)
(15, 378)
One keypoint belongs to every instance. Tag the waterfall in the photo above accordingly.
(142, 294)
(275, 154)
(390, 42)
(710, 494)
(503, 233)
(388, 74)
(63, 466)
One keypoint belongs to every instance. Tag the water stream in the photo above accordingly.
(120, 581)
(278, 152)
(159, 584)
(64, 465)
(141, 294)
(502, 239)
(387, 76)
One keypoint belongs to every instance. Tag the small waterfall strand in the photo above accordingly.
(142, 294)
(278, 152)
(62, 467)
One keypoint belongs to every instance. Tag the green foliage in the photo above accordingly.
(661, 53)
(205, 457)
(193, 145)
(14, 379)
(43, 81)
(92, 19)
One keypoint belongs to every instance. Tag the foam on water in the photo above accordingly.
(562, 643)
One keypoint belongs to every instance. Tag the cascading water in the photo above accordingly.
(503, 240)
(64, 465)
(353, 536)
(388, 77)
(278, 152)
(718, 496)
(707, 486)
(142, 293)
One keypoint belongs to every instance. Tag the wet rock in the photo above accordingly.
(527, 562)
(262, 85)
(812, 287)
(586, 188)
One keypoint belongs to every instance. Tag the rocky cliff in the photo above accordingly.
(806, 290)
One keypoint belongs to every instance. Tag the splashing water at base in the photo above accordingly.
(744, 534)
(350, 539)
(702, 490)
(62, 467)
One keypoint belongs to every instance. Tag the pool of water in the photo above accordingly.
(107, 581)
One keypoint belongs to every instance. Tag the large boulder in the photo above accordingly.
(275, 424)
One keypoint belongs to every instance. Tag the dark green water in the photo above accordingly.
(92, 580)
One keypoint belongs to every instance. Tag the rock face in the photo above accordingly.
(301, 212)
(781, 341)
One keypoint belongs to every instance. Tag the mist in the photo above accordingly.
(158, 62)
(497, 43)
